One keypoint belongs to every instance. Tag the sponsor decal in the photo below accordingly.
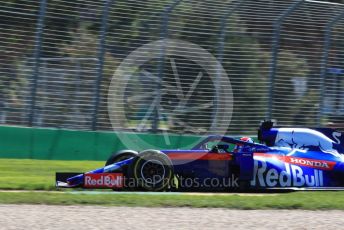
(336, 136)
(319, 164)
(303, 138)
(103, 180)
(311, 163)
(290, 176)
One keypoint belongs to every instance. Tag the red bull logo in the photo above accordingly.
(103, 180)
(291, 176)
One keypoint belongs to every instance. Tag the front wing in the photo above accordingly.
(90, 180)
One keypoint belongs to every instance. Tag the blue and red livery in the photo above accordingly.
(292, 158)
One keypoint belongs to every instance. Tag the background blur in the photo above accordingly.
(284, 60)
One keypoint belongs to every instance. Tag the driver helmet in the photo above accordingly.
(239, 147)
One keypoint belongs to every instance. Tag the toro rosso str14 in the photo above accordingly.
(293, 158)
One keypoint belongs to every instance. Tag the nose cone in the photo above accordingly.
(76, 180)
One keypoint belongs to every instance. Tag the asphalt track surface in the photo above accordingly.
(98, 217)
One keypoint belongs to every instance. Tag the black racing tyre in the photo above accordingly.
(152, 170)
(120, 156)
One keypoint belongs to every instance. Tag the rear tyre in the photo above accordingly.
(120, 156)
(152, 170)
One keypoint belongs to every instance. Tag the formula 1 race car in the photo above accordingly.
(285, 158)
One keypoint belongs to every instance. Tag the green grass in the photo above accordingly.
(299, 200)
(38, 174)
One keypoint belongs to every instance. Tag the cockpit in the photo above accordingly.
(223, 144)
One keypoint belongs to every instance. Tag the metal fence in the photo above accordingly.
(67, 64)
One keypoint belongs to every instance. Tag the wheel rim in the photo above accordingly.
(152, 172)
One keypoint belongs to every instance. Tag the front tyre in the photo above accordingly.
(120, 156)
(152, 170)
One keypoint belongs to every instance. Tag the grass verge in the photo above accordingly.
(297, 200)
(38, 174)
